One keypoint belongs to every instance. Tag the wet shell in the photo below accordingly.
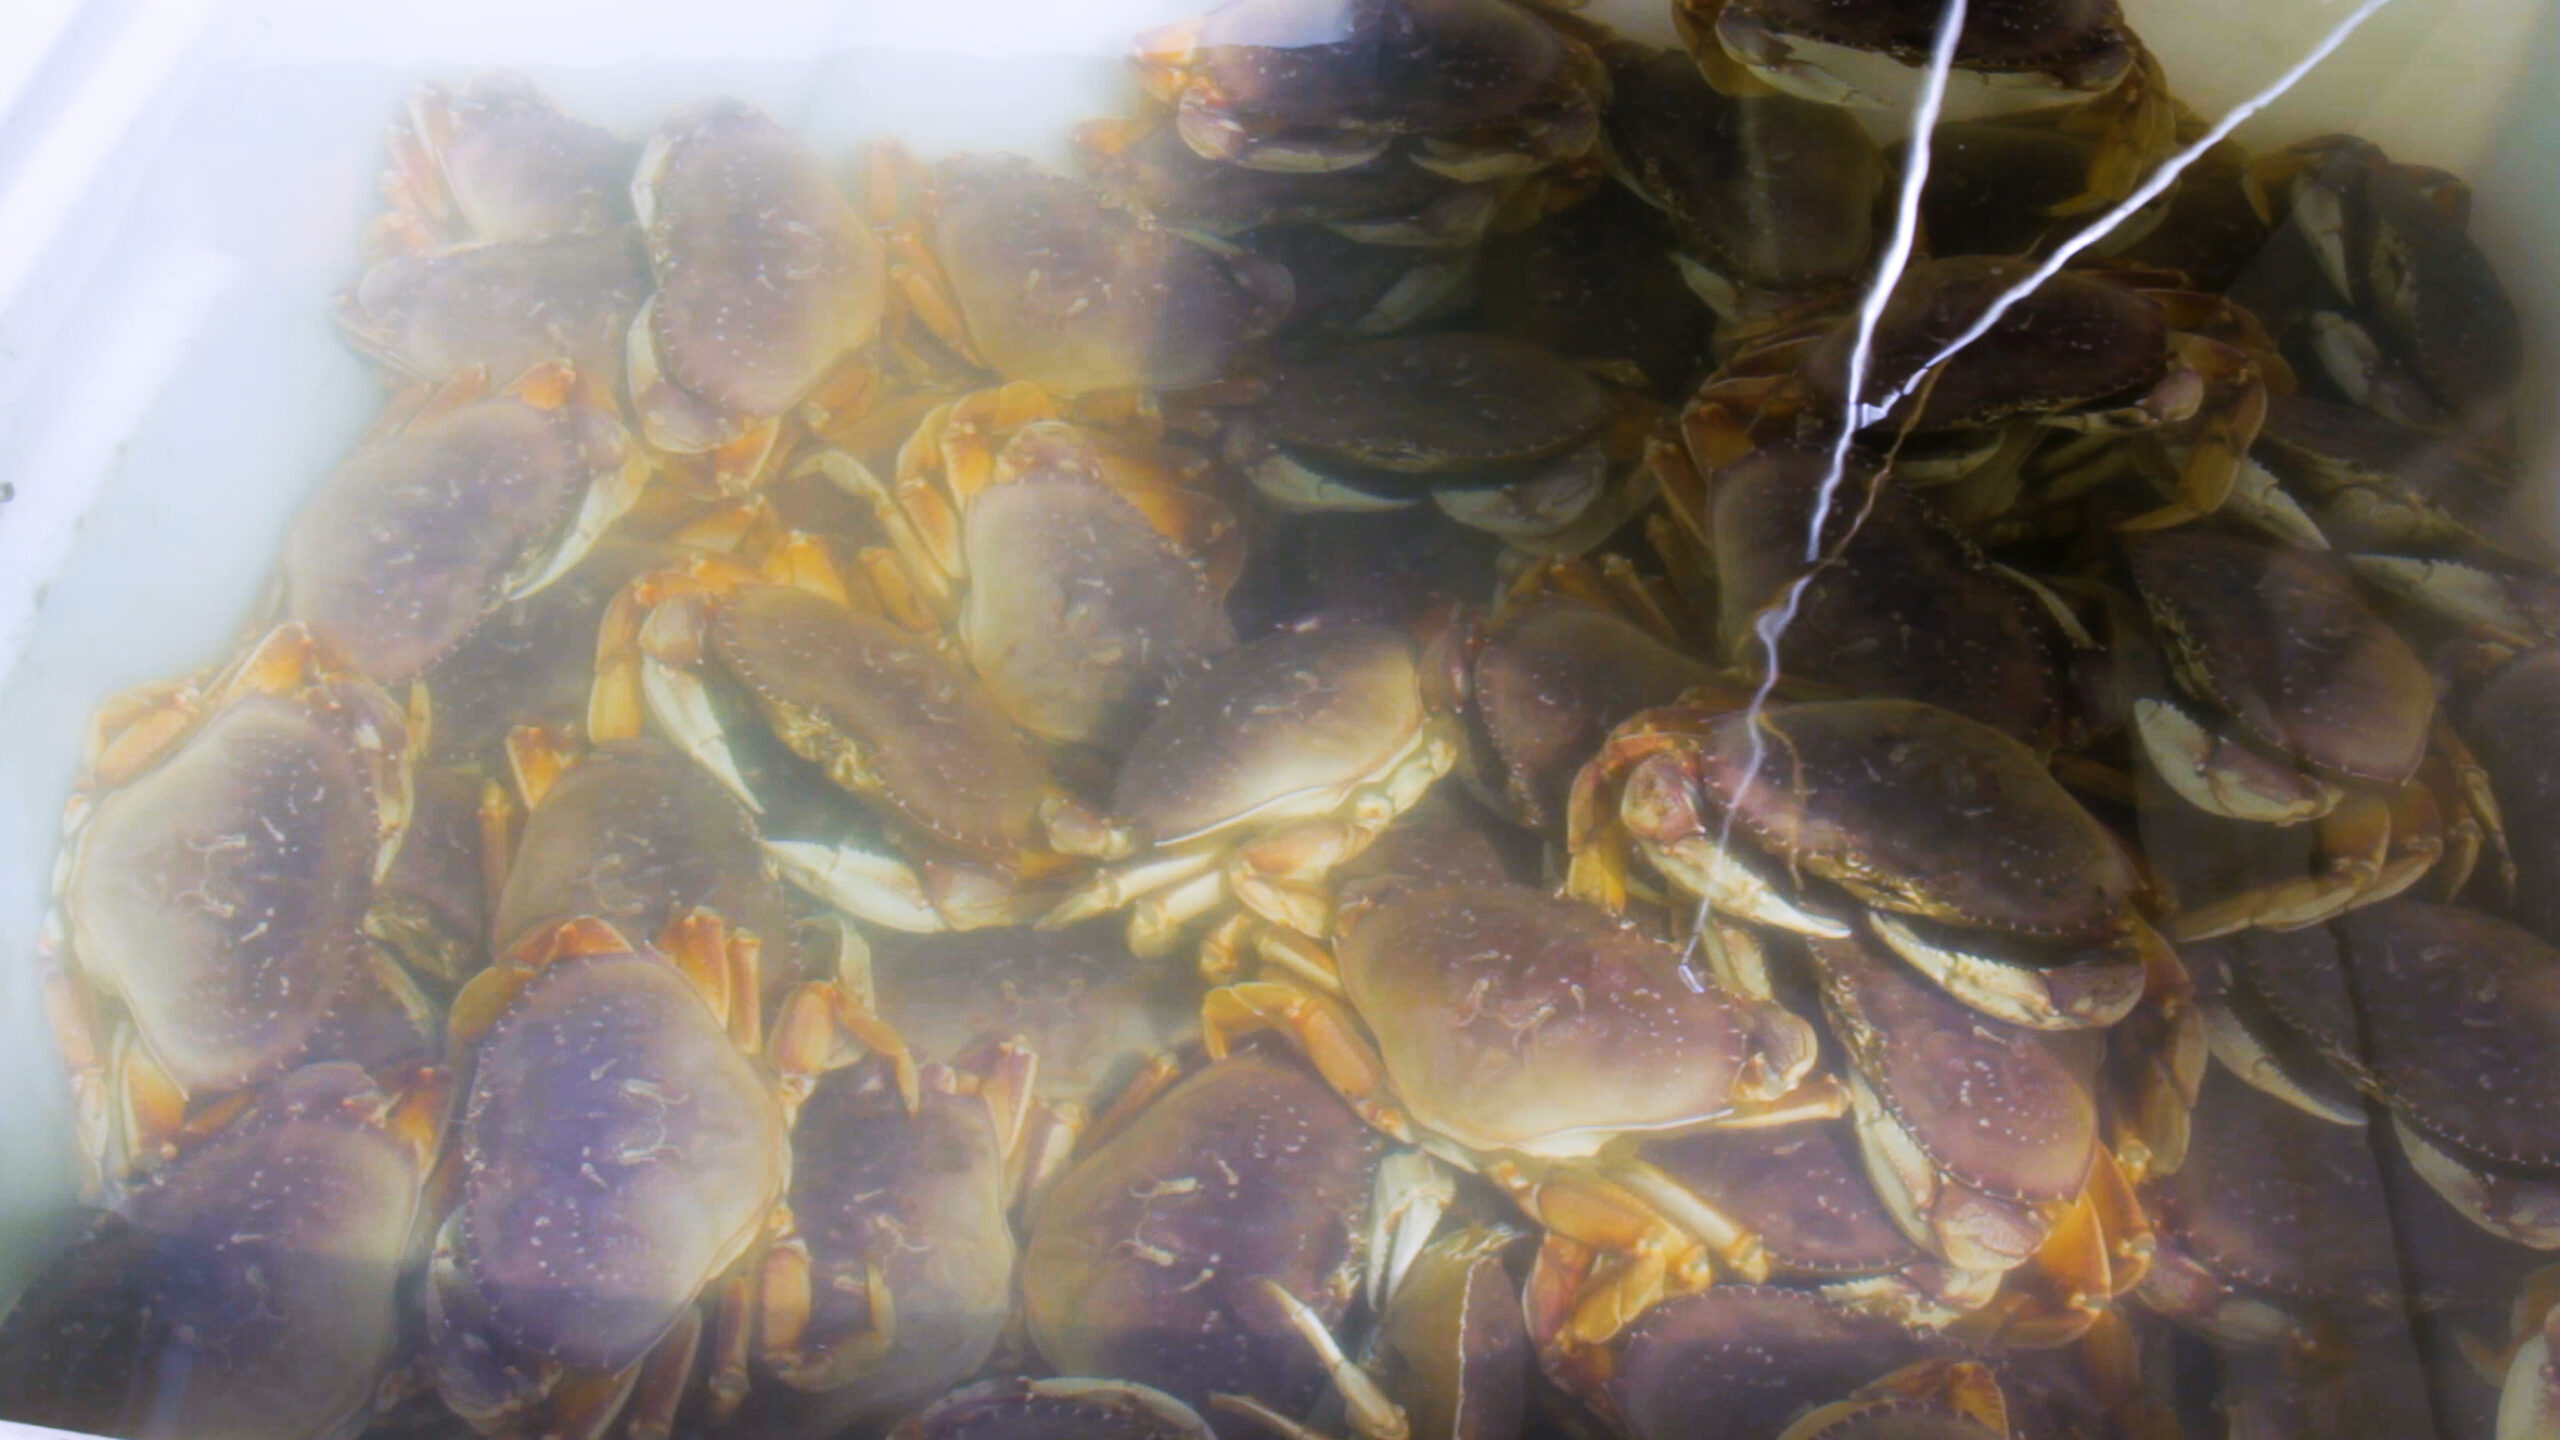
(1433, 404)
(1552, 679)
(1801, 1188)
(1751, 1356)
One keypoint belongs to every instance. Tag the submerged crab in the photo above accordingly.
(2084, 352)
(768, 282)
(2511, 719)
(1033, 276)
(1597, 284)
(1500, 434)
(2319, 714)
(1076, 568)
(1054, 1409)
(1201, 1247)
(250, 1286)
(874, 706)
(467, 503)
(2012, 55)
(502, 308)
(221, 854)
(1472, 89)
(1950, 842)
(1146, 165)
(492, 160)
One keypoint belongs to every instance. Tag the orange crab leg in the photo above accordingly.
(1323, 1031)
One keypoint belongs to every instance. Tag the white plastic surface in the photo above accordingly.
(182, 183)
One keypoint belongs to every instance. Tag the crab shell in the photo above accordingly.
(1290, 720)
(248, 1288)
(1902, 606)
(2276, 1221)
(2000, 189)
(2510, 720)
(636, 835)
(2075, 339)
(220, 893)
(1077, 998)
(411, 543)
(2376, 484)
(766, 276)
(2279, 641)
(1408, 407)
(618, 1152)
(1340, 286)
(2011, 54)
(1054, 1409)
(914, 1203)
(1752, 1356)
(1455, 1342)
(1802, 1189)
(1384, 202)
(502, 308)
(1597, 283)
(1768, 191)
(494, 160)
(1972, 1129)
(1146, 1257)
(1329, 84)
(1512, 1020)
(2460, 1036)
(1071, 294)
(1552, 676)
(853, 692)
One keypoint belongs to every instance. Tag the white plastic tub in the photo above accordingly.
(182, 183)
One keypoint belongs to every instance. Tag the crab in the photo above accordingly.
(1500, 434)
(2374, 485)
(1075, 568)
(462, 504)
(1055, 1408)
(2274, 1228)
(1470, 89)
(1934, 1400)
(1452, 1345)
(1033, 276)
(2086, 352)
(1542, 680)
(2509, 718)
(2433, 338)
(501, 308)
(770, 288)
(1951, 842)
(2319, 714)
(1260, 773)
(1145, 164)
(625, 1154)
(2006, 187)
(1597, 284)
(1900, 605)
(1770, 196)
(875, 707)
(1983, 1140)
(2012, 55)
(1339, 286)
(250, 1285)
(217, 903)
(1208, 1244)
(494, 161)
(896, 1274)
(1518, 1034)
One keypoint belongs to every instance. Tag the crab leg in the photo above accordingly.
(1323, 1031)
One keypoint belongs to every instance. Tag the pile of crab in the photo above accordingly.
(1380, 770)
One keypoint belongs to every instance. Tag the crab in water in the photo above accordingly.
(220, 856)
(1947, 840)
(1260, 773)
(770, 287)
(1500, 434)
(1145, 165)
(2317, 713)
(2085, 352)
(1470, 89)
(1209, 1243)
(1597, 284)
(624, 1154)
(1054, 1408)
(1934, 1400)
(494, 161)
(2012, 55)
(1035, 277)
(2275, 1228)
(876, 707)
(249, 1287)
(501, 308)
(2510, 718)
(1076, 568)
(1770, 197)
(462, 504)
(1519, 1034)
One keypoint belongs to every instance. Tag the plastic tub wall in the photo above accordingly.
(182, 183)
